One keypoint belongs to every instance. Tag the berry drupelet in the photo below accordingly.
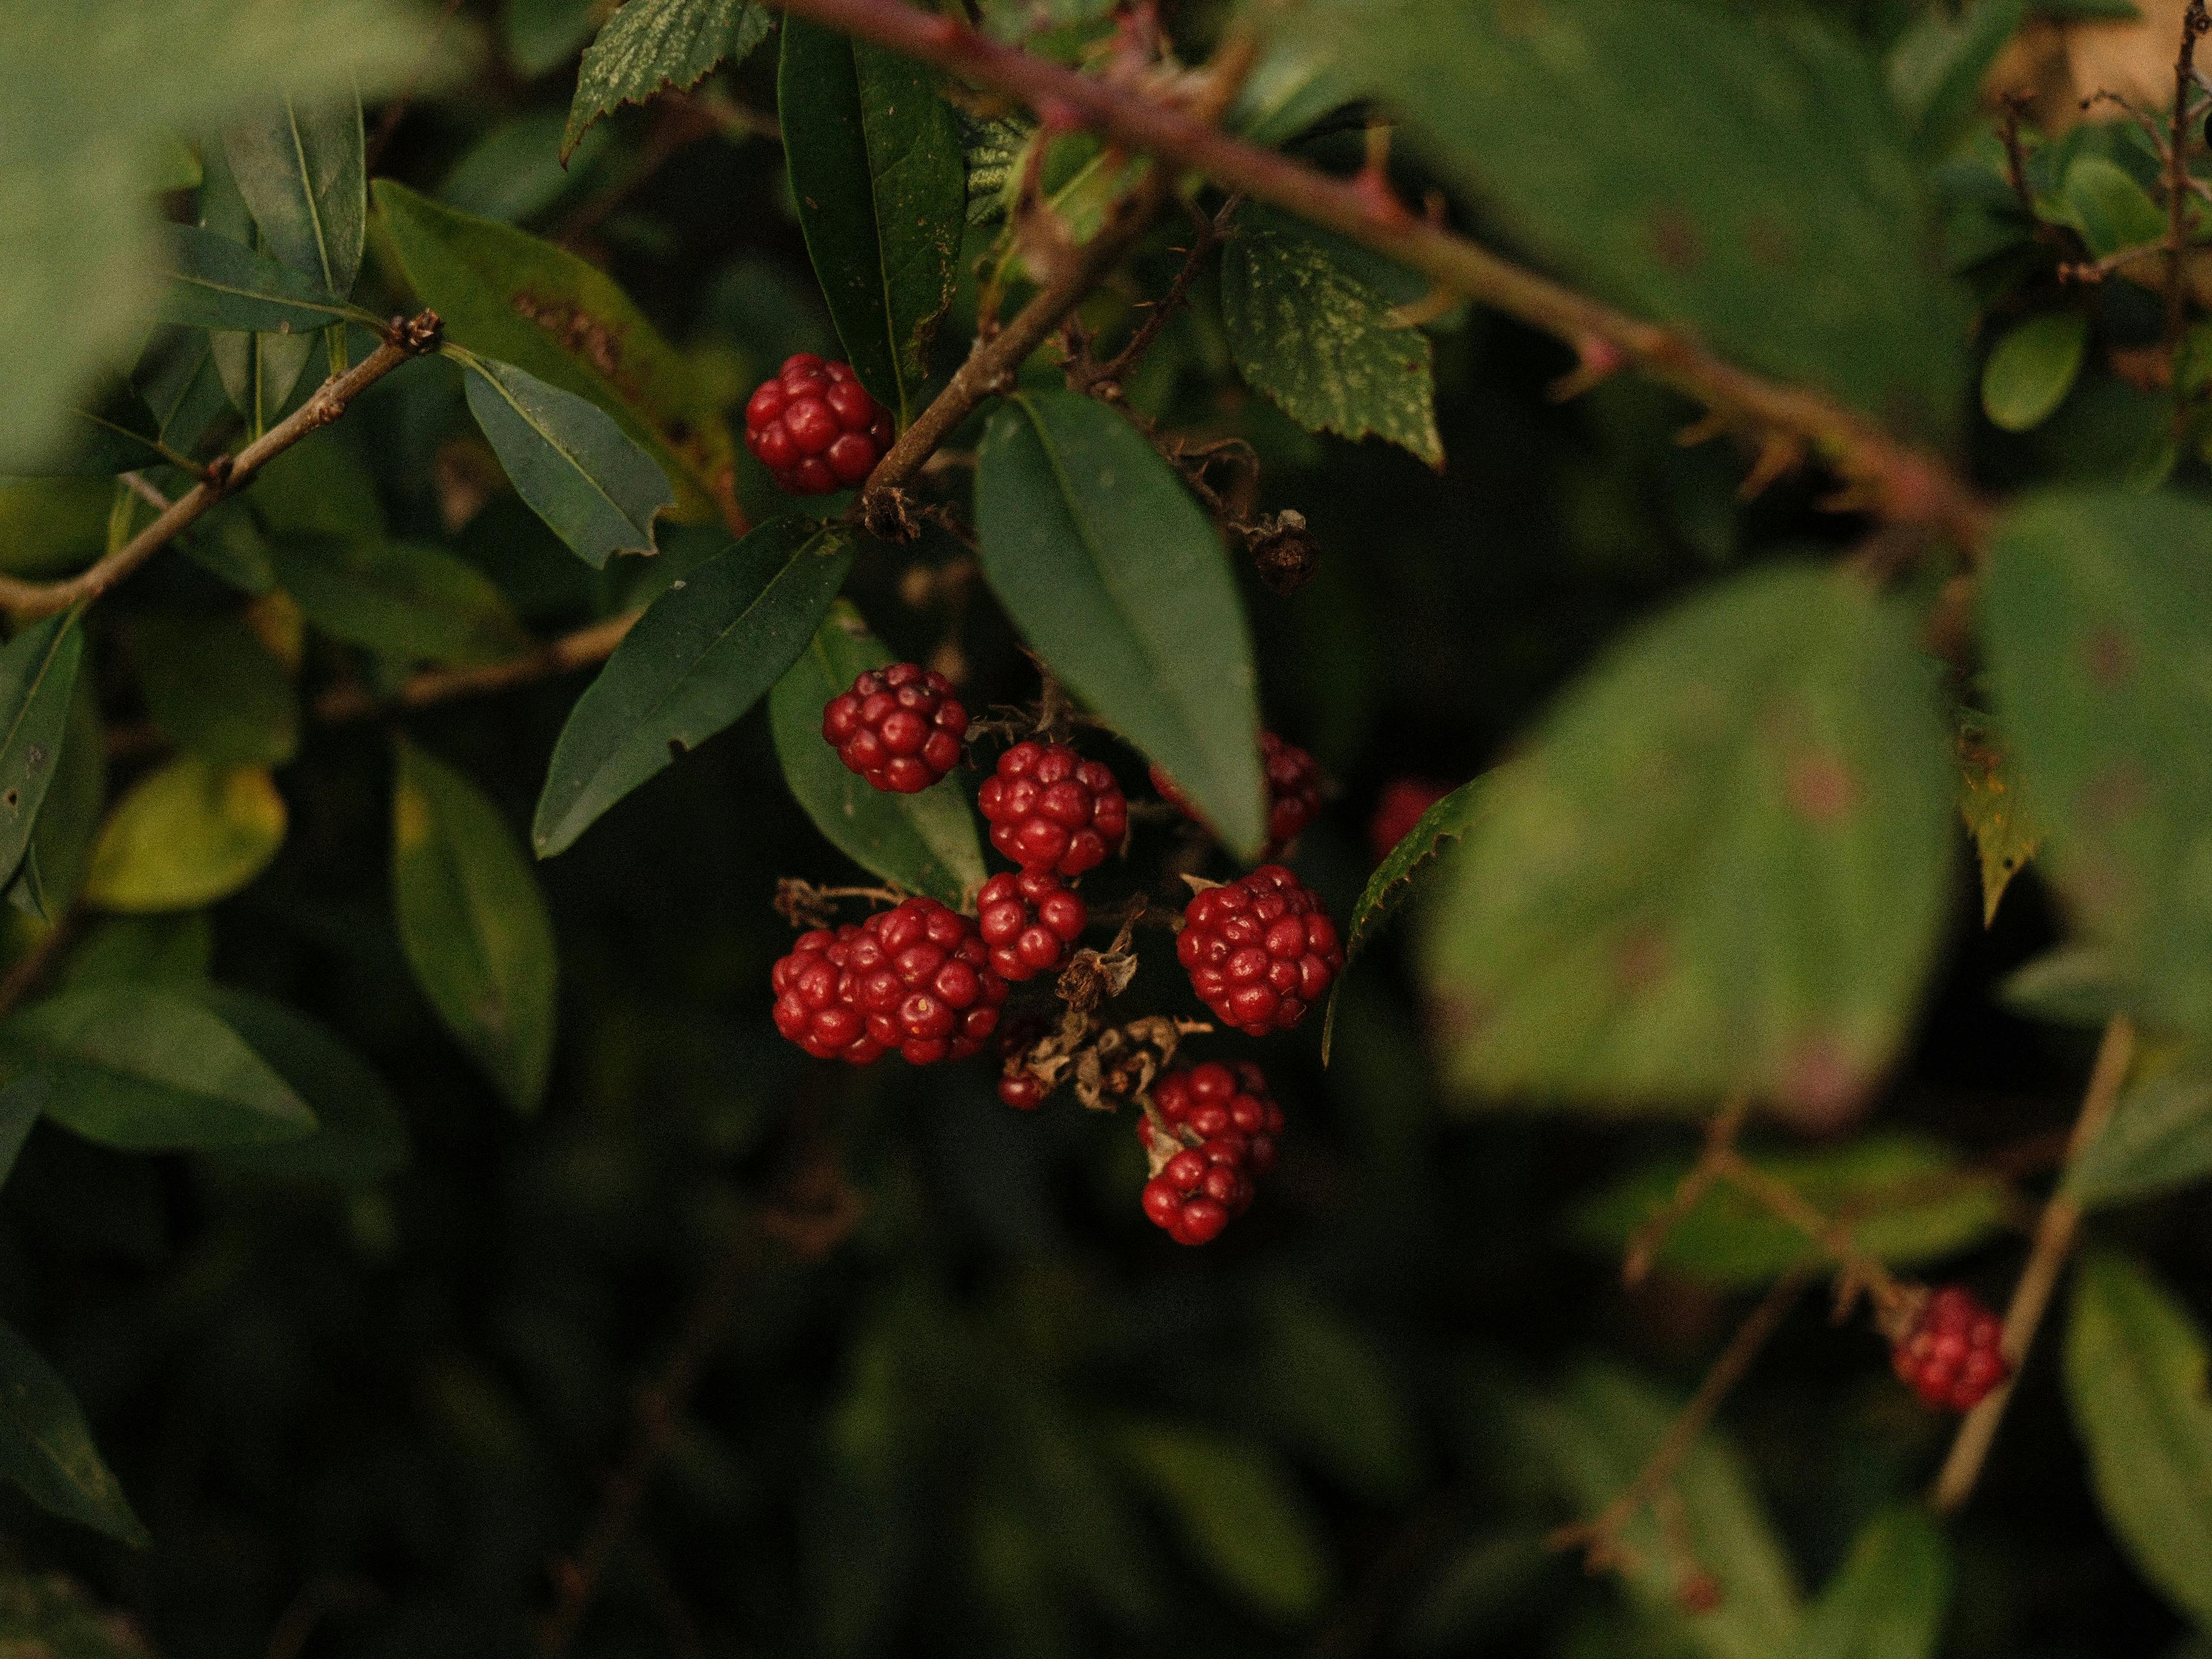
(1213, 1100)
(899, 728)
(815, 427)
(1260, 950)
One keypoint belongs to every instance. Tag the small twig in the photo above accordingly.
(146, 492)
(1651, 1236)
(1894, 1304)
(2194, 22)
(582, 649)
(803, 904)
(1212, 231)
(2055, 1233)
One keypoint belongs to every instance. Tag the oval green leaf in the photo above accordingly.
(1115, 575)
(213, 688)
(1887, 1600)
(189, 833)
(2032, 368)
(300, 168)
(360, 1134)
(2159, 1137)
(701, 655)
(46, 1447)
(416, 603)
(38, 680)
(1239, 1514)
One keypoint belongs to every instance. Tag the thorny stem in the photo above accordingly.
(2055, 1232)
(1897, 479)
(1212, 230)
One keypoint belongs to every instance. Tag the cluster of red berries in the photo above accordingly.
(1295, 788)
(815, 427)
(1050, 808)
(1954, 1354)
(899, 728)
(1197, 1189)
(916, 978)
(1260, 951)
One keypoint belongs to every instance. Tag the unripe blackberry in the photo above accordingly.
(1953, 1355)
(1260, 951)
(1295, 787)
(1211, 1100)
(916, 978)
(1028, 921)
(815, 427)
(1050, 808)
(899, 728)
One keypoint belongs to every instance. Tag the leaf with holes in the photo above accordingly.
(652, 47)
(703, 653)
(38, 679)
(47, 1449)
(1722, 865)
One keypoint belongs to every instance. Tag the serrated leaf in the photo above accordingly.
(1887, 1600)
(45, 1446)
(216, 284)
(300, 166)
(38, 679)
(213, 688)
(1722, 865)
(926, 843)
(146, 1069)
(474, 924)
(1906, 1199)
(566, 456)
(703, 653)
(1239, 1515)
(2160, 1136)
(360, 1134)
(1118, 581)
(651, 46)
(2136, 1378)
(416, 603)
(2001, 819)
(512, 297)
(2094, 617)
(1312, 327)
(2032, 368)
(189, 833)
(878, 172)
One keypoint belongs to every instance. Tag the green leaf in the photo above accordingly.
(1309, 321)
(578, 470)
(703, 653)
(1906, 1200)
(474, 925)
(650, 46)
(1117, 578)
(38, 678)
(2159, 1137)
(213, 688)
(2094, 616)
(360, 1134)
(1744, 179)
(22, 1099)
(46, 1447)
(1889, 1599)
(146, 1069)
(301, 167)
(2002, 821)
(170, 947)
(507, 296)
(1331, 1398)
(2032, 368)
(926, 843)
(1594, 1436)
(69, 818)
(1937, 70)
(215, 282)
(2135, 1377)
(110, 431)
(2102, 200)
(1722, 865)
(415, 603)
(876, 168)
(1239, 1515)
(190, 832)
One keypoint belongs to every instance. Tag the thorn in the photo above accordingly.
(1438, 301)
(1713, 424)
(1598, 360)
(1779, 453)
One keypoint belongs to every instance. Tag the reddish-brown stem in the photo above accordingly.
(1210, 232)
(1893, 1302)
(582, 649)
(1651, 1236)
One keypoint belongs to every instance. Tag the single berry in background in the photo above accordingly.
(1260, 951)
(1050, 808)
(1028, 921)
(1295, 788)
(916, 978)
(1213, 1100)
(815, 427)
(899, 728)
(1199, 1190)
(1021, 1090)
(1954, 1354)
(1398, 809)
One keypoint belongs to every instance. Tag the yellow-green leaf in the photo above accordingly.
(189, 833)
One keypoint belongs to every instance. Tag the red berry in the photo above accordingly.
(1021, 1090)
(1211, 1100)
(1260, 951)
(1050, 808)
(1954, 1354)
(1399, 809)
(917, 979)
(899, 728)
(1028, 921)
(1295, 786)
(815, 427)
(1199, 1190)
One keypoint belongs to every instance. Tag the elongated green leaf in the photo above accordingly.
(417, 603)
(45, 1446)
(212, 686)
(301, 167)
(1308, 318)
(474, 925)
(69, 818)
(215, 282)
(2135, 1377)
(1113, 573)
(149, 1070)
(926, 842)
(1332, 1401)
(1722, 865)
(171, 947)
(876, 168)
(2032, 368)
(360, 1134)
(1743, 177)
(2159, 1137)
(1238, 1514)
(705, 651)
(1906, 1200)
(110, 430)
(38, 678)
(2094, 616)
(578, 470)
(509, 296)
(1889, 1599)
(191, 832)
(651, 46)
